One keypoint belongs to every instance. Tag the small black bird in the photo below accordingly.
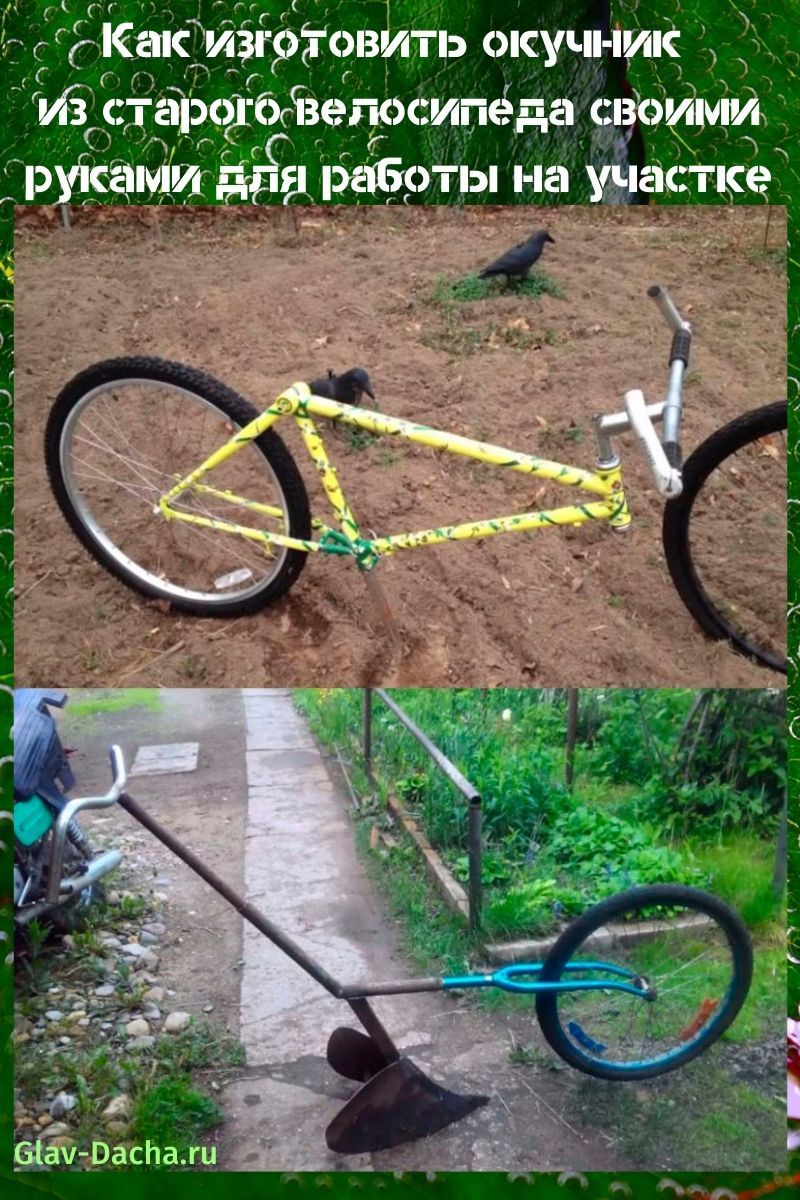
(347, 388)
(517, 262)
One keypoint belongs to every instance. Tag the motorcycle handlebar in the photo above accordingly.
(119, 773)
(71, 809)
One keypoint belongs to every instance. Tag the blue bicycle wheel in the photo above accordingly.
(667, 968)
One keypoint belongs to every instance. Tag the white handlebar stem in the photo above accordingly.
(667, 479)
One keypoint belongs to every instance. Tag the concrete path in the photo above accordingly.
(301, 868)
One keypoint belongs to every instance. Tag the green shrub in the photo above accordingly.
(704, 809)
(605, 854)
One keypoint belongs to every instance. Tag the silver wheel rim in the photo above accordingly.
(96, 530)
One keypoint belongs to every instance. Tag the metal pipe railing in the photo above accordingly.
(454, 776)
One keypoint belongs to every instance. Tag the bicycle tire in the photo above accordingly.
(234, 409)
(676, 529)
(576, 934)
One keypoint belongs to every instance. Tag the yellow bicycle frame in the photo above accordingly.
(297, 401)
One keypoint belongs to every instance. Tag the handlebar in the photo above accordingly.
(664, 453)
(668, 310)
(71, 808)
(678, 363)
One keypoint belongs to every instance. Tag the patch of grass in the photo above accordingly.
(200, 1045)
(193, 668)
(471, 287)
(38, 249)
(173, 1113)
(360, 439)
(435, 939)
(133, 907)
(468, 339)
(774, 256)
(702, 1122)
(105, 700)
(91, 659)
(457, 340)
(761, 1015)
(740, 869)
(169, 1107)
(534, 1056)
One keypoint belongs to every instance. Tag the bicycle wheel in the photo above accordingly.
(686, 958)
(121, 433)
(725, 535)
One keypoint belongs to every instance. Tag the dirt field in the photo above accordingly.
(260, 303)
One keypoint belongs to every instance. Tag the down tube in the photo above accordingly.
(614, 511)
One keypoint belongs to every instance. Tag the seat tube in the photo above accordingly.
(329, 476)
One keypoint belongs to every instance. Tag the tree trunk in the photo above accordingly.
(572, 732)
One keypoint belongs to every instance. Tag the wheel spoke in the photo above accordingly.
(131, 439)
(690, 970)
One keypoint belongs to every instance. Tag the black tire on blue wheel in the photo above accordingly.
(608, 930)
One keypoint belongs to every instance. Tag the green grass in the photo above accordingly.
(173, 1113)
(471, 287)
(360, 439)
(699, 1120)
(740, 868)
(434, 938)
(113, 700)
(457, 340)
(774, 256)
(168, 1106)
(199, 1045)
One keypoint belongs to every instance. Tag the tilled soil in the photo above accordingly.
(260, 303)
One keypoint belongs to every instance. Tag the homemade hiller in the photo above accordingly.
(667, 970)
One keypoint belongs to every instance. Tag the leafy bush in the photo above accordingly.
(605, 854)
(650, 767)
(703, 809)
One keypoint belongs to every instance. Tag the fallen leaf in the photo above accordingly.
(768, 447)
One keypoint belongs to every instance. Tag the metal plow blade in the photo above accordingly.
(355, 1055)
(383, 607)
(397, 1104)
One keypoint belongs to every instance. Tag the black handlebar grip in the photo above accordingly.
(681, 345)
(674, 455)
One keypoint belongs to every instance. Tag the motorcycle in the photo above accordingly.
(56, 870)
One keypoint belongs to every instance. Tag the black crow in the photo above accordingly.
(347, 388)
(516, 263)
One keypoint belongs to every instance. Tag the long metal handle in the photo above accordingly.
(242, 906)
(71, 809)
